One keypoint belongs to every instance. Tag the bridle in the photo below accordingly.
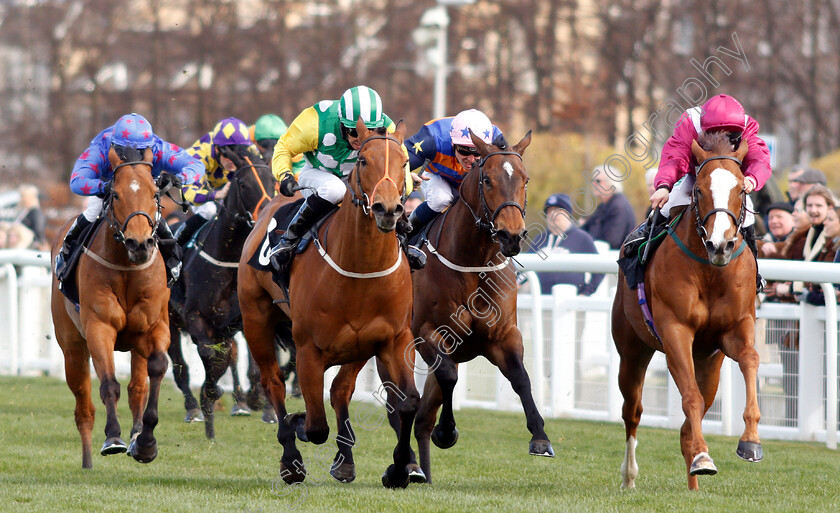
(487, 220)
(364, 199)
(241, 212)
(119, 229)
(701, 225)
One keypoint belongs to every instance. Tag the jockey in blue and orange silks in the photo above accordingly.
(676, 175)
(129, 137)
(444, 147)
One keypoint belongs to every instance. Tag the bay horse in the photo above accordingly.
(702, 308)
(465, 297)
(349, 300)
(204, 302)
(122, 306)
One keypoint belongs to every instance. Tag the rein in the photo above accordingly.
(487, 220)
(249, 216)
(364, 200)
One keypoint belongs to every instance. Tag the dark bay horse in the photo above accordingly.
(701, 293)
(204, 301)
(349, 299)
(465, 297)
(122, 306)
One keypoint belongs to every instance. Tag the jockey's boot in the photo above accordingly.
(70, 239)
(749, 236)
(419, 218)
(312, 210)
(191, 226)
(170, 251)
(416, 258)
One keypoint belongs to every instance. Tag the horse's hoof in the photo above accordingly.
(344, 473)
(703, 465)
(297, 421)
(194, 415)
(393, 479)
(113, 445)
(442, 440)
(750, 451)
(541, 448)
(142, 454)
(269, 416)
(240, 410)
(291, 475)
(415, 473)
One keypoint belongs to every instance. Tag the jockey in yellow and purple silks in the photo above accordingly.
(445, 148)
(227, 143)
(129, 137)
(326, 136)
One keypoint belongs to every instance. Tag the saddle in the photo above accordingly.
(68, 285)
(635, 245)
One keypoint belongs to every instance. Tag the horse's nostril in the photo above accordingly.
(710, 247)
(131, 244)
(398, 211)
(378, 208)
(730, 246)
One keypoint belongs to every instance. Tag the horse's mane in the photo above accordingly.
(716, 142)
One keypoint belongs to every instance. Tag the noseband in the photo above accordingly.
(241, 212)
(364, 200)
(487, 220)
(701, 225)
(119, 230)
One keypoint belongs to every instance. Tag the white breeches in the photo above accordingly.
(438, 192)
(94, 208)
(681, 195)
(329, 186)
(206, 210)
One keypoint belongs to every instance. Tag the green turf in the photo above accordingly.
(488, 470)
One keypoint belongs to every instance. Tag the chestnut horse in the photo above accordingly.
(122, 306)
(465, 297)
(349, 299)
(703, 309)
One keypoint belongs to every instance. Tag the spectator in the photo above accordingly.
(800, 179)
(650, 177)
(4, 235)
(564, 237)
(613, 219)
(19, 236)
(800, 217)
(780, 222)
(31, 216)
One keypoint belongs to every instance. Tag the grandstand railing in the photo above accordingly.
(569, 352)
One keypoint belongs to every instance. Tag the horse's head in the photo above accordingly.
(719, 198)
(133, 204)
(251, 188)
(495, 191)
(378, 183)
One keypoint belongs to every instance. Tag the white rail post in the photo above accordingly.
(11, 316)
(563, 355)
(830, 365)
(811, 342)
(537, 342)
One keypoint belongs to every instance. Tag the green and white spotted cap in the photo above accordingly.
(361, 102)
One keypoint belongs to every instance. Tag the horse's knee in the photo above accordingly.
(318, 434)
(109, 388)
(157, 364)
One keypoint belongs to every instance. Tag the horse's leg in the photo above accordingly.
(678, 341)
(507, 356)
(138, 390)
(239, 408)
(415, 473)
(426, 414)
(635, 358)
(144, 447)
(311, 366)
(445, 434)
(181, 372)
(394, 358)
(739, 345)
(101, 341)
(707, 371)
(77, 371)
(343, 468)
(215, 354)
(256, 398)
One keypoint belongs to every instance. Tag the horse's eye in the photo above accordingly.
(362, 161)
(486, 181)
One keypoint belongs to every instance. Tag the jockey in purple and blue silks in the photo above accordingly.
(92, 175)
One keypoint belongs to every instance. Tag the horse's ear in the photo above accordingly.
(362, 129)
(521, 145)
(480, 144)
(698, 152)
(399, 132)
(114, 158)
(742, 150)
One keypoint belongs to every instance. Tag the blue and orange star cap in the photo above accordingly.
(230, 132)
(133, 131)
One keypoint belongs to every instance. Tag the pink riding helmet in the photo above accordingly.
(467, 120)
(133, 131)
(723, 111)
